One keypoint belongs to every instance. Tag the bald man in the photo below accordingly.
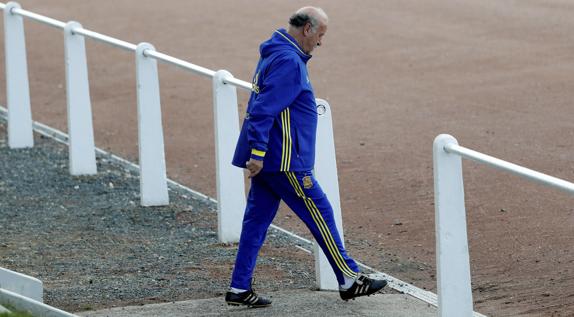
(277, 146)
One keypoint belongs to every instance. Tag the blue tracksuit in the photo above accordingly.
(280, 129)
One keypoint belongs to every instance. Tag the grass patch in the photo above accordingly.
(14, 313)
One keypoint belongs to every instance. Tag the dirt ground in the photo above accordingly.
(496, 74)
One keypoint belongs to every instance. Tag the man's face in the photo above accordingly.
(313, 39)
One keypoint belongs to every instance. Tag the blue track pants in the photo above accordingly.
(302, 193)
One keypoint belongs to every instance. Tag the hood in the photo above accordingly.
(282, 41)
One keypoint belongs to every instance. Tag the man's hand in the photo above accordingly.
(254, 167)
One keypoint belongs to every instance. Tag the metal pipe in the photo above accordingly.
(513, 168)
(130, 47)
(105, 39)
(195, 68)
(238, 83)
(180, 63)
(39, 18)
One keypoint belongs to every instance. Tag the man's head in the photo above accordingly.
(308, 26)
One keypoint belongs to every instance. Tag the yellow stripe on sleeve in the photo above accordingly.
(283, 126)
(257, 152)
(289, 141)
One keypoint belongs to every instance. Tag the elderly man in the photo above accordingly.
(277, 146)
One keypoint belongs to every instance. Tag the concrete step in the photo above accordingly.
(287, 303)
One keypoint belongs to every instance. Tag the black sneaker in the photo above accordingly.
(248, 298)
(362, 286)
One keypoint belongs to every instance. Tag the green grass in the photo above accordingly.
(14, 313)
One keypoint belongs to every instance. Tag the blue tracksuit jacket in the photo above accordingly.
(280, 125)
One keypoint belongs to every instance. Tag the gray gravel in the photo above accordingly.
(94, 247)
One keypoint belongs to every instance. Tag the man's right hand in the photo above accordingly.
(254, 167)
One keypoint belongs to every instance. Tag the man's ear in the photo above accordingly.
(307, 29)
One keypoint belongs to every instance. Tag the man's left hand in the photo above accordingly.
(254, 167)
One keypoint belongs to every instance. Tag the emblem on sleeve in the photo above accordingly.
(307, 182)
(255, 86)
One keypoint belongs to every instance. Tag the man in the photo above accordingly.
(277, 146)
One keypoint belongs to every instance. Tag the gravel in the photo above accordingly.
(94, 247)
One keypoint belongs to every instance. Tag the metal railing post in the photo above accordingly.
(81, 149)
(153, 178)
(453, 265)
(326, 174)
(20, 133)
(230, 179)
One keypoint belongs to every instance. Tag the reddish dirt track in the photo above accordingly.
(496, 74)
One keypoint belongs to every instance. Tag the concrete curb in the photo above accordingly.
(19, 283)
(34, 307)
(285, 303)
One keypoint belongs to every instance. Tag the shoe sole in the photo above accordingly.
(250, 306)
(373, 293)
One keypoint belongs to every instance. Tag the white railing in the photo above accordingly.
(21, 284)
(25, 293)
(153, 178)
(453, 265)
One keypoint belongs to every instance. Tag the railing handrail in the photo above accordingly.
(129, 46)
(39, 18)
(105, 39)
(511, 167)
(180, 63)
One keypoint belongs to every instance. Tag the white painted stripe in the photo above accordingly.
(294, 236)
(394, 283)
(301, 248)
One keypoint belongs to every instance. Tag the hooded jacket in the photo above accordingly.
(280, 126)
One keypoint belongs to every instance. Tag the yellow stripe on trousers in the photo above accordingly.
(287, 143)
(323, 228)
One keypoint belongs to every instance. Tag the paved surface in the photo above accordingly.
(299, 303)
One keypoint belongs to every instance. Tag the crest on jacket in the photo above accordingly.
(255, 86)
(307, 182)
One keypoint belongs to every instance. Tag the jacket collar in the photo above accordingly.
(283, 33)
